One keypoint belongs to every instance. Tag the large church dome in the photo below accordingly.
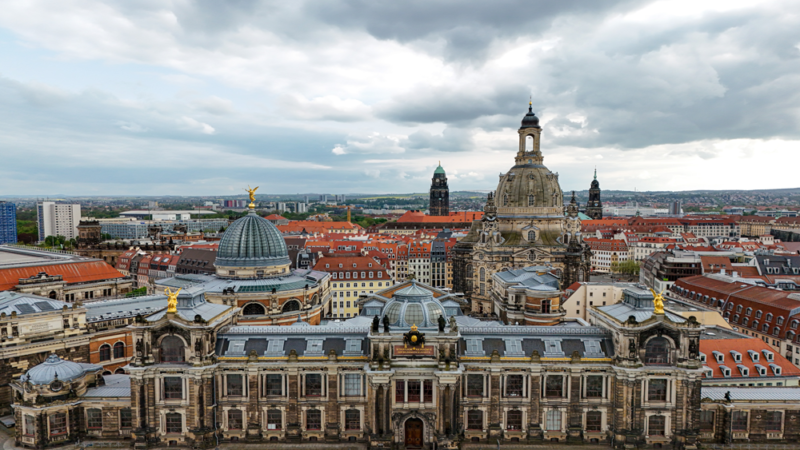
(249, 245)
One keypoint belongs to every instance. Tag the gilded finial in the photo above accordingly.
(172, 300)
(595, 172)
(252, 193)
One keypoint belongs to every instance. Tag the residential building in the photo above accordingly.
(58, 219)
(8, 223)
(607, 254)
(351, 277)
(196, 261)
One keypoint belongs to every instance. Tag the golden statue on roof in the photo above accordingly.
(658, 302)
(172, 300)
(252, 193)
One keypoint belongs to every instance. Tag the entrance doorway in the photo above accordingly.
(414, 433)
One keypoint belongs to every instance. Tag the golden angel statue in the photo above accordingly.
(658, 302)
(252, 193)
(172, 300)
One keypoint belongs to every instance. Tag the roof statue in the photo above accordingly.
(658, 302)
(252, 193)
(172, 300)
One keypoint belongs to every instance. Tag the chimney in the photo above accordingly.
(722, 271)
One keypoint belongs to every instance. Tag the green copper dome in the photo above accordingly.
(439, 170)
(252, 241)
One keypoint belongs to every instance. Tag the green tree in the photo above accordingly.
(629, 267)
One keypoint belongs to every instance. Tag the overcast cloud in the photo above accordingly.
(180, 97)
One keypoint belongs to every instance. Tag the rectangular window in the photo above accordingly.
(353, 346)
(314, 385)
(554, 387)
(313, 419)
(553, 421)
(474, 420)
(514, 420)
(174, 423)
(173, 388)
(594, 421)
(657, 390)
(125, 419)
(274, 419)
(414, 391)
(235, 419)
(514, 385)
(352, 384)
(273, 385)
(235, 385)
(400, 391)
(474, 385)
(94, 418)
(656, 425)
(58, 424)
(352, 419)
(774, 421)
(427, 391)
(706, 420)
(594, 386)
(30, 428)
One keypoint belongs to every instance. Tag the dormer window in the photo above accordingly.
(769, 317)
(776, 369)
(762, 371)
(758, 314)
(753, 355)
(779, 322)
(744, 371)
(354, 264)
(709, 373)
(703, 358)
(726, 372)
(718, 356)
(768, 355)
(748, 311)
(327, 266)
(340, 266)
(737, 357)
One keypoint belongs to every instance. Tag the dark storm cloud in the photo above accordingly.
(467, 30)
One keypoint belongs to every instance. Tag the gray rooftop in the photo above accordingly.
(124, 307)
(532, 277)
(28, 303)
(115, 386)
(297, 279)
(752, 393)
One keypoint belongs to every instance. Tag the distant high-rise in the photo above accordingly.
(675, 208)
(323, 198)
(8, 223)
(440, 193)
(594, 207)
(57, 219)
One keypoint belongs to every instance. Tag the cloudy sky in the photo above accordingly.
(345, 96)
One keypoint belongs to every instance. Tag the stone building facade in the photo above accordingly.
(439, 194)
(594, 206)
(524, 223)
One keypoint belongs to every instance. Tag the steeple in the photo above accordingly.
(529, 136)
(439, 193)
(594, 207)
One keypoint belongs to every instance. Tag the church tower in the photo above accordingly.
(594, 207)
(440, 193)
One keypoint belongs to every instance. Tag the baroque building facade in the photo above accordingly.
(524, 223)
(439, 194)
(594, 207)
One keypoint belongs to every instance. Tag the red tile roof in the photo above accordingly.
(725, 346)
(454, 217)
(72, 272)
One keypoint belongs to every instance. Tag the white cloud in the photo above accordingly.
(329, 107)
(369, 144)
(193, 124)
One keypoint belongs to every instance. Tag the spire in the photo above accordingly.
(595, 172)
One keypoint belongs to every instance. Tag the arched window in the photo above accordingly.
(120, 371)
(254, 309)
(656, 351)
(53, 295)
(768, 318)
(469, 271)
(119, 350)
(172, 350)
(505, 199)
(531, 200)
(235, 419)
(105, 352)
(794, 324)
(483, 274)
(529, 143)
(531, 236)
(291, 305)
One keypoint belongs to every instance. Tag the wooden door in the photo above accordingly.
(413, 433)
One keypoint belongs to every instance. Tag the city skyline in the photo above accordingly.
(182, 99)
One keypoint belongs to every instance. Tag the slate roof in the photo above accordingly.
(124, 307)
(752, 393)
(297, 279)
(239, 341)
(115, 386)
(28, 303)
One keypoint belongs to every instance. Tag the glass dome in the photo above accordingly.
(414, 306)
(252, 241)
